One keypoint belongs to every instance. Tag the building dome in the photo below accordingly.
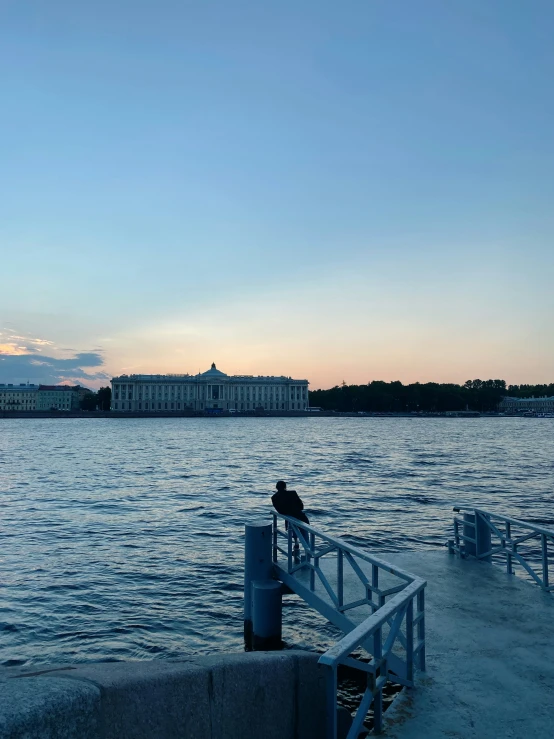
(213, 372)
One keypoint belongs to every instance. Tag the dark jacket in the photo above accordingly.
(288, 503)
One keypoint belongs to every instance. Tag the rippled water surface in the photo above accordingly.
(122, 538)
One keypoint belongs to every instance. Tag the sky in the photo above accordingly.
(330, 191)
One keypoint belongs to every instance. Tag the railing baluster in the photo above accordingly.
(544, 543)
(340, 578)
(289, 549)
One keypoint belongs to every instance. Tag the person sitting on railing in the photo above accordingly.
(288, 503)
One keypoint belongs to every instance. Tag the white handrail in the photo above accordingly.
(354, 638)
(340, 544)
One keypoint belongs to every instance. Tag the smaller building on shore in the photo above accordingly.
(21, 397)
(525, 405)
(58, 398)
(27, 397)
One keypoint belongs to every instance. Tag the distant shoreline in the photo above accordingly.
(267, 414)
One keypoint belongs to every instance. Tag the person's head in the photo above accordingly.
(281, 485)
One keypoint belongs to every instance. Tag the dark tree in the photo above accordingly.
(104, 396)
(89, 402)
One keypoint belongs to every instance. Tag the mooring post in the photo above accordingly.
(257, 566)
(470, 530)
(482, 536)
(266, 615)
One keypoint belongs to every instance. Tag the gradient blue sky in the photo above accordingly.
(338, 191)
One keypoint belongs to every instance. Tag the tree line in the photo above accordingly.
(430, 397)
(100, 400)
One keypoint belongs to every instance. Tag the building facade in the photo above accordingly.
(18, 397)
(209, 391)
(525, 405)
(58, 398)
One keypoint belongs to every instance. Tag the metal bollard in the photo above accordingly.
(266, 615)
(257, 566)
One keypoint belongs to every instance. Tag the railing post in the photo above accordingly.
(544, 543)
(378, 695)
(410, 640)
(275, 537)
(482, 536)
(421, 628)
(509, 568)
(375, 582)
(312, 562)
(331, 703)
(457, 534)
(257, 566)
(340, 578)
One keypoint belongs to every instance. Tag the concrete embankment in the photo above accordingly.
(277, 695)
(162, 414)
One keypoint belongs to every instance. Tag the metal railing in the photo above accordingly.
(487, 535)
(393, 634)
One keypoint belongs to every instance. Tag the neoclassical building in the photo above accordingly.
(209, 391)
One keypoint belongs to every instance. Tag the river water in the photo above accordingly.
(123, 538)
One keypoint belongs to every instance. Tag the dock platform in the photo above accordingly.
(490, 654)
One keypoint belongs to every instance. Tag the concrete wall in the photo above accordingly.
(277, 695)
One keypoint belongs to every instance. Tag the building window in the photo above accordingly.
(178, 406)
(165, 406)
(146, 406)
(140, 406)
(115, 406)
(172, 406)
(159, 406)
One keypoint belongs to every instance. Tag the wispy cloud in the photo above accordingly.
(14, 344)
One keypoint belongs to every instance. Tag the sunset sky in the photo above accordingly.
(330, 190)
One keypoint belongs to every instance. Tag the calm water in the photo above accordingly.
(122, 539)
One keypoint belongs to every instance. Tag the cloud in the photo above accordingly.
(40, 369)
(12, 343)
